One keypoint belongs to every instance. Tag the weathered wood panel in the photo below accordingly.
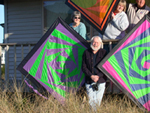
(24, 21)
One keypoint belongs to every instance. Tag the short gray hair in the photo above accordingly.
(76, 13)
(99, 40)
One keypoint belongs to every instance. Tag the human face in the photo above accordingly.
(76, 19)
(140, 3)
(96, 44)
(119, 8)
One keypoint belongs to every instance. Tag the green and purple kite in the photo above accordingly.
(128, 64)
(55, 61)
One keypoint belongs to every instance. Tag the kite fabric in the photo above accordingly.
(96, 12)
(55, 61)
(128, 64)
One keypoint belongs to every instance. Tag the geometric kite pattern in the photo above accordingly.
(96, 12)
(55, 61)
(128, 64)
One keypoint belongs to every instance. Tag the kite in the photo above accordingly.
(55, 61)
(128, 64)
(96, 12)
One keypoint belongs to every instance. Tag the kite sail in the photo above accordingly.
(55, 61)
(128, 64)
(96, 12)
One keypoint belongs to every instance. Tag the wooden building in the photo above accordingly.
(25, 23)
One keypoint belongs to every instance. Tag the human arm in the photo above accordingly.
(82, 31)
(127, 7)
(102, 55)
(121, 22)
(85, 69)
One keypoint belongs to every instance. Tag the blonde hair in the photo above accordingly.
(123, 2)
(99, 40)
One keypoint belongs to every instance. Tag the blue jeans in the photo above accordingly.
(95, 97)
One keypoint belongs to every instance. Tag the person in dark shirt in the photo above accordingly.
(95, 80)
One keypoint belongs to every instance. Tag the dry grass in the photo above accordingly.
(32, 103)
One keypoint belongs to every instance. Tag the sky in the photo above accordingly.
(1, 21)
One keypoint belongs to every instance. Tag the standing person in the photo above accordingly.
(95, 80)
(119, 23)
(78, 26)
(136, 12)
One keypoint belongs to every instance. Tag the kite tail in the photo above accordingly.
(36, 91)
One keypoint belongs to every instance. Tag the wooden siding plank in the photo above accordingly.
(6, 20)
(25, 32)
(7, 68)
(24, 3)
(18, 20)
(22, 57)
(15, 11)
(27, 35)
(24, 40)
(21, 28)
(14, 62)
(23, 24)
(24, 16)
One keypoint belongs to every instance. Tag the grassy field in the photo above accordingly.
(32, 103)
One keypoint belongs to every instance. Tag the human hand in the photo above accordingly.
(95, 78)
(113, 15)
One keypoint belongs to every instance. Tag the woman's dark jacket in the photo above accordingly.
(87, 65)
